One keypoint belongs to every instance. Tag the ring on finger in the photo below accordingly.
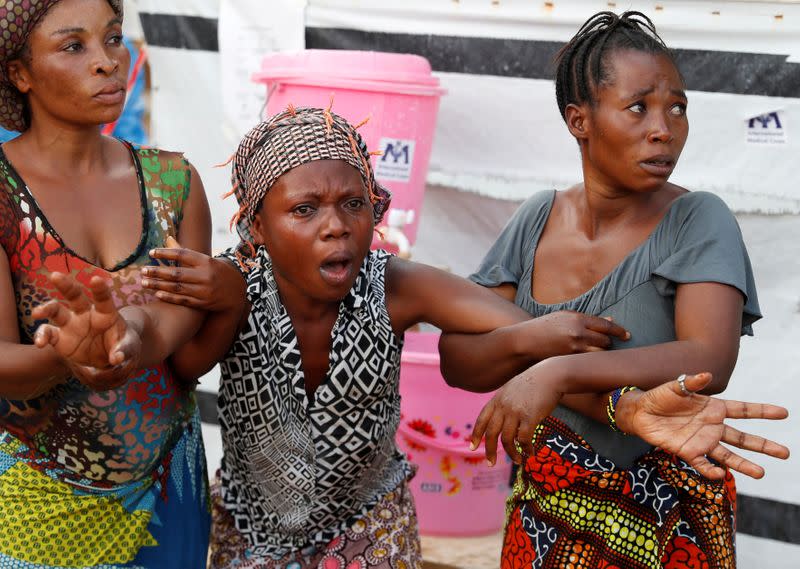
(682, 382)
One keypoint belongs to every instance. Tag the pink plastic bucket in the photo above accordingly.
(397, 92)
(456, 493)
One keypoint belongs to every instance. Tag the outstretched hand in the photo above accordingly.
(90, 335)
(689, 426)
(692, 426)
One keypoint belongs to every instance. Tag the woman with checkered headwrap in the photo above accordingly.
(101, 459)
(309, 349)
(308, 399)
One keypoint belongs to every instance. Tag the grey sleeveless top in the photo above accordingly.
(698, 240)
(297, 471)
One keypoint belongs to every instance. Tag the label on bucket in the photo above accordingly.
(489, 480)
(396, 161)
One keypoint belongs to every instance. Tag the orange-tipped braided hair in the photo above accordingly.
(290, 139)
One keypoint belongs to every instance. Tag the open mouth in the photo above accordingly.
(336, 271)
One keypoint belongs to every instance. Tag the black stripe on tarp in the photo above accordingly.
(759, 517)
(530, 59)
(182, 32)
(711, 71)
(770, 519)
(704, 70)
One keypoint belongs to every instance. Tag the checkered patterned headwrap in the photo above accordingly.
(287, 140)
(17, 20)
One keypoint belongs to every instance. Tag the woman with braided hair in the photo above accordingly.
(101, 460)
(671, 267)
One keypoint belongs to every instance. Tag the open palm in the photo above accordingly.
(89, 334)
(692, 427)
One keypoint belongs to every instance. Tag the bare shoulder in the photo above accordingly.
(570, 193)
(118, 155)
(398, 274)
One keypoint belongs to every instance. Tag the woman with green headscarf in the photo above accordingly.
(103, 466)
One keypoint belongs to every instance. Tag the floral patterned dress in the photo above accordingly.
(99, 479)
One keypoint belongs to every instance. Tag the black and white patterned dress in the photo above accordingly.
(297, 471)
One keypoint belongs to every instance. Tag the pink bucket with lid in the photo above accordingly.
(396, 91)
(456, 493)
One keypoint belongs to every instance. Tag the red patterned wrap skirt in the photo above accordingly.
(571, 508)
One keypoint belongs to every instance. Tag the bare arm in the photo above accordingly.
(518, 342)
(26, 371)
(494, 357)
(205, 283)
(484, 327)
(421, 293)
(708, 326)
(708, 322)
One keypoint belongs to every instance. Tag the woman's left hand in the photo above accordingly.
(691, 426)
(514, 413)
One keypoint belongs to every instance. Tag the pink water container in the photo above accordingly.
(456, 493)
(396, 91)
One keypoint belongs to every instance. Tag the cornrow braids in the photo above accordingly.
(582, 65)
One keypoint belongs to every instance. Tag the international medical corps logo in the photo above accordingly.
(396, 161)
(768, 129)
(766, 121)
(398, 152)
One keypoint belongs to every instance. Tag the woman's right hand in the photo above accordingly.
(565, 332)
(197, 280)
(90, 336)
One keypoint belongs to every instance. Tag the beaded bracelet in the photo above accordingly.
(611, 406)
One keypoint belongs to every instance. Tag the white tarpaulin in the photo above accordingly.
(246, 33)
(502, 135)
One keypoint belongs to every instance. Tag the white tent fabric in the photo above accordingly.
(503, 136)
